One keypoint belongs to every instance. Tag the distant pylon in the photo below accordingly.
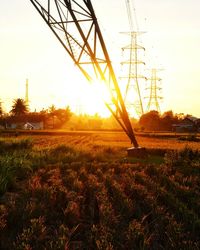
(132, 95)
(155, 88)
(26, 94)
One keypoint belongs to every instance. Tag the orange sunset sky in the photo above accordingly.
(28, 49)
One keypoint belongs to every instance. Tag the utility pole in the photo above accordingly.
(154, 89)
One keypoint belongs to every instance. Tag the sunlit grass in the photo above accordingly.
(63, 192)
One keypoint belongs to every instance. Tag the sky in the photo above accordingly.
(28, 49)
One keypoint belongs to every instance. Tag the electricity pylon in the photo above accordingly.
(75, 25)
(132, 96)
(155, 88)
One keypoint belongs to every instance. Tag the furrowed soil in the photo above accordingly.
(79, 190)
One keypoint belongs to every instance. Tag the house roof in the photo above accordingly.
(188, 121)
(25, 118)
(192, 118)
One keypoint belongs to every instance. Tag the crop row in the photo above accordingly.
(64, 198)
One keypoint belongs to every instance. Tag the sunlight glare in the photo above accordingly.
(97, 95)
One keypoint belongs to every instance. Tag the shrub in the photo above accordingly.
(12, 167)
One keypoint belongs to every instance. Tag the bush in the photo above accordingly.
(12, 167)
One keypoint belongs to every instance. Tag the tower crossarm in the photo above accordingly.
(75, 25)
(154, 79)
(133, 62)
(133, 76)
(135, 47)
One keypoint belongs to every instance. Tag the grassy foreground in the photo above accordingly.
(81, 192)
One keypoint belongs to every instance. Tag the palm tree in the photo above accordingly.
(52, 109)
(19, 107)
(52, 112)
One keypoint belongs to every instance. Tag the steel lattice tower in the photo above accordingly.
(131, 65)
(132, 96)
(155, 88)
(75, 25)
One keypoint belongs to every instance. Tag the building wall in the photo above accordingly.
(36, 125)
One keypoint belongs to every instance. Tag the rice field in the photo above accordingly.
(81, 191)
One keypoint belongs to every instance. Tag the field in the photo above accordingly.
(79, 190)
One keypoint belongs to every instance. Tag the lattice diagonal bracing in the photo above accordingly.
(75, 25)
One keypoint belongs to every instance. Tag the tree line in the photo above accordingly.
(20, 112)
(154, 121)
(151, 121)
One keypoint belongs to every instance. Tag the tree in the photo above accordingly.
(52, 109)
(63, 114)
(1, 110)
(153, 121)
(150, 121)
(19, 107)
(59, 116)
(167, 120)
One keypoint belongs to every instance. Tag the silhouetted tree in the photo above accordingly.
(44, 112)
(63, 115)
(150, 121)
(153, 121)
(52, 109)
(19, 107)
(167, 120)
(59, 116)
(1, 111)
(95, 122)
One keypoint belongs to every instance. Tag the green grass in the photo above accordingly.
(14, 162)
